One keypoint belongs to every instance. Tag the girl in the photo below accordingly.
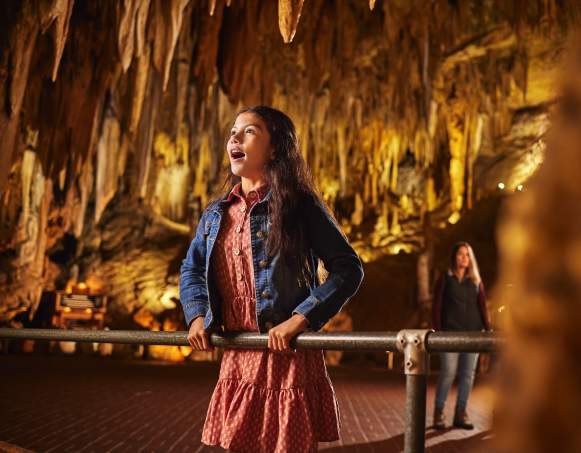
(252, 266)
(459, 304)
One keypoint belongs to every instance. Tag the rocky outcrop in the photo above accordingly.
(114, 116)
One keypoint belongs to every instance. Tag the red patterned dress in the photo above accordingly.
(264, 401)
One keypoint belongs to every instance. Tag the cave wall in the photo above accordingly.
(114, 113)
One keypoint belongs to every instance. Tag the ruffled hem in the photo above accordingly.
(246, 417)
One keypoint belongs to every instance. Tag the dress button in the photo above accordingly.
(236, 251)
(238, 229)
(263, 263)
(260, 234)
(239, 276)
(243, 209)
(265, 294)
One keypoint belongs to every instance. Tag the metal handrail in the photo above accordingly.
(339, 341)
(415, 344)
(344, 341)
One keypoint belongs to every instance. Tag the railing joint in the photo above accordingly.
(412, 343)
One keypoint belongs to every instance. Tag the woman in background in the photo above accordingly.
(459, 305)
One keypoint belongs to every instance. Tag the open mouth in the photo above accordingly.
(237, 154)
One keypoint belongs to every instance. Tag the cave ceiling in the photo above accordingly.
(114, 114)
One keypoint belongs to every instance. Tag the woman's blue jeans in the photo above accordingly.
(463, 363)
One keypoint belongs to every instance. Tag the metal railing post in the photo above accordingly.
(412, 343)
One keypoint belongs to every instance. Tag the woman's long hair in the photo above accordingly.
(472, 271)
(291, 184)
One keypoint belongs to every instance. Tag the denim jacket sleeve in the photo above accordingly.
(193, 288)
(344, 266)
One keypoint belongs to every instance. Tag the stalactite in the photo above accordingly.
(456, 129)
(201, 173)
(289, 13)
(139, 89)
(131, 34)
(167, 25)
(59, 13)
(342, 151)
(107, 163)
(16, 62)
(172, 180)
(212, 7)
(85, 184)
(475, 137)
(145, 132)
(31, 237)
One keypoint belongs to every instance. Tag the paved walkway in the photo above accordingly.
(94, 404)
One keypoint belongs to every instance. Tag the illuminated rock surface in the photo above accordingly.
(114, 116)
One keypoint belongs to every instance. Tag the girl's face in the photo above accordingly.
(462, 258)
(249, 146)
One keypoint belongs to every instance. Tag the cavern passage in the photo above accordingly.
(416, 117)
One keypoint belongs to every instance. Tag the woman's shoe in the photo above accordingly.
(439, 419)
(461, 420)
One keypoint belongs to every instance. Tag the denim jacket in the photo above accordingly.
(278, 295)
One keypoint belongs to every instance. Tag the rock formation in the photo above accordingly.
(114, 113)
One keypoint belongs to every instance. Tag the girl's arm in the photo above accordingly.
(193, 289)
(344, 266)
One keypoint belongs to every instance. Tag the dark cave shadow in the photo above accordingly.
(395, 444)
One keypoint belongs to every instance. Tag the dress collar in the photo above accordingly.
(236, 191)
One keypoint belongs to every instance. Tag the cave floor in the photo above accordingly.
(59, 403)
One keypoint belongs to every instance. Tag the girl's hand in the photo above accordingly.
(280, 335)
(197, 336)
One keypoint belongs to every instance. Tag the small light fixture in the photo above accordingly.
(454, 217)
(501, 185)
(519, 187)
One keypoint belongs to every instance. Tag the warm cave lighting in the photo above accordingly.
(454, 217)
(501, 185)
(519, 187)
(501, 308)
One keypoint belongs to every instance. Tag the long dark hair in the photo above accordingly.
(291, 184)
